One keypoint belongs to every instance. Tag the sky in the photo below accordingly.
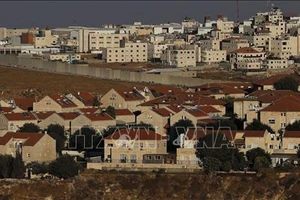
(25, 14)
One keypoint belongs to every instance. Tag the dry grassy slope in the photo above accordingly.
(131, 186)
(14, 81)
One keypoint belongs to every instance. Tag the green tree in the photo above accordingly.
(252, 154)
(226, 166)
(294, 126)
(178, 128)
(261, 162)
(229, 105)
(211, 164)
(85, 139)
(111, 111)
(38, 168)
(64, 167)
(258, 126)
(57, 132)
(6, 165)
(29, 128)
(224, 123)
(287, 83)
(18, 167)
(217, 146)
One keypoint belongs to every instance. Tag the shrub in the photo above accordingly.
(227, 166)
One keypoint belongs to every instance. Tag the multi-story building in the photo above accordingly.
(232, 44)
(45, 39)
(246, 56)
(275, 63)
(180, 56)
(127, 52)
(100, 40)
(213, 56)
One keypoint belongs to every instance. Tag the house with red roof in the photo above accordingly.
(82, 99)
(34, 147)
(158, 118)
(246, 58)
(13, 121)
(187, 100)
(22, 104)
(55, 102)
(124, 116)
(290, 142)
(63, 119)
(248, 108)
(268, 83)
(281, 112)
(123, 99)
(99, 121)
(218, 90)
(131, 145)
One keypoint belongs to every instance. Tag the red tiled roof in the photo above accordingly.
(63, 101)
(164, 90)
(31, 138)
(162, 112)
(98, 116)
(208, 109)
(191, 99)
(88, 110)
(6, 109)
(271, 80)
(196, 112)
(135, 134)
(24, 103)
(174, 109)
(130, 95)
(217, 88)
(206, 121)
(123, 112)
(69, 115)
(285, 104)
(254, 133)
(269, 96)
(292, 134)
(43, 115)
(86, 98)
(26, 116)
(245, 50)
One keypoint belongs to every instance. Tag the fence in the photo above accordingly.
(103, 73)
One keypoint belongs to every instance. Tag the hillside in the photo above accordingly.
(16, 82)
(116, 185)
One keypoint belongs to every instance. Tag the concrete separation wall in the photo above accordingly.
(103, 73)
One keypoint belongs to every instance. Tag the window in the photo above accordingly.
(110, 145)
(28, 155)
(271, 121)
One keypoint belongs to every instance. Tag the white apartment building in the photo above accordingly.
(168, 28)
(180, 56)
(243, 54)
(231, 44)
(155, 50)
(276, 29)
(283, 47)
(213, 56)
(100, 40)
(275, 63)
(224, 25)
(248, 64)
(128, 52)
